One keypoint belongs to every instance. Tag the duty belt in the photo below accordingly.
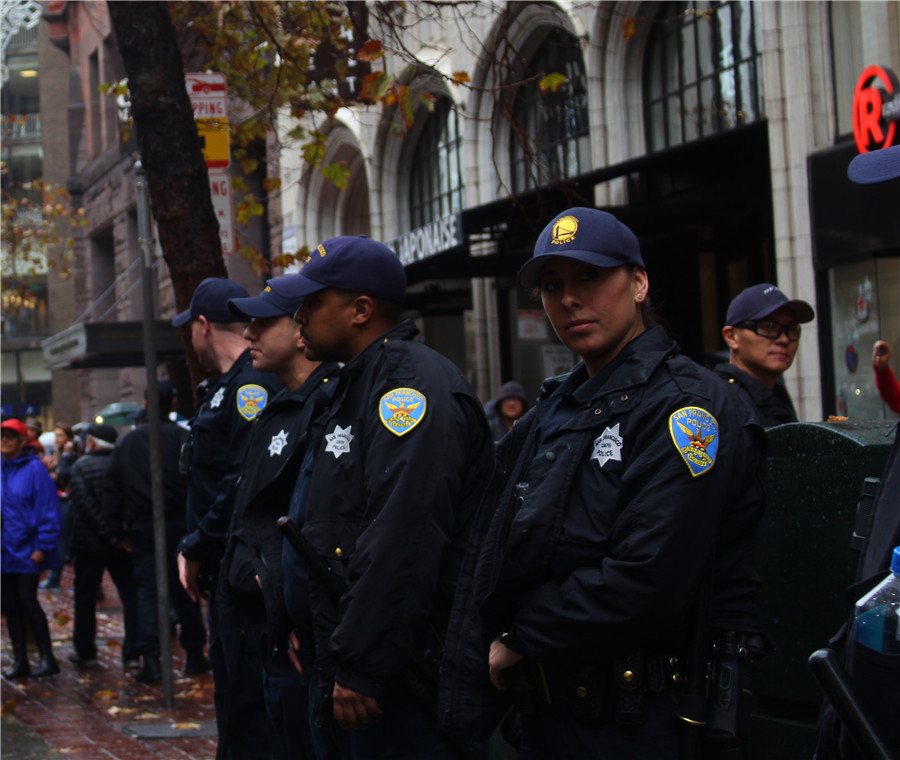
(596, 693)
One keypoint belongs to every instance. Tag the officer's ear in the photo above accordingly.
(362, 309)
(729, 336)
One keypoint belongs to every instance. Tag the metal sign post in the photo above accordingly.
(156, 476)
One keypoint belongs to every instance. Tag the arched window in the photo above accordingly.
(436, 181)
(702, 71)
(549, 138)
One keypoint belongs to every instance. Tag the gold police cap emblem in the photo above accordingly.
(564, 230)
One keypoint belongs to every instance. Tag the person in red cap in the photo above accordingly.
(30, 530)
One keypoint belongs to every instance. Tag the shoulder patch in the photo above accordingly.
(401, 409)
(251, 400)
(695, 433)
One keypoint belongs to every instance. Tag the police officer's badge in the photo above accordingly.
(402, 409)
(277, 444)
(251, 400)
(216, 401)
(696, 436)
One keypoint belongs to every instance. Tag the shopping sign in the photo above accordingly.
(210, 103)
(876, 109)
(220, 190)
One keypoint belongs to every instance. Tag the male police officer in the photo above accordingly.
(251, 588)
(762, 330)
(220, 430)
(401, 458)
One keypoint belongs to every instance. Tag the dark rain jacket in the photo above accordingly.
(254, 543)
(93, 532)
(129, 496)
(402, 457)
(603, 531)
(772, 406)
(220, 430)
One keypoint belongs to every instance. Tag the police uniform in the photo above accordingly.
(616, 493)
(773, 406)
(254, 546)
(220, 431)
(402, 457)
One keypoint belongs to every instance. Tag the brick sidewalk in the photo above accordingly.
(89, 714)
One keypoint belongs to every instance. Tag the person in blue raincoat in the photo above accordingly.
(30, 531)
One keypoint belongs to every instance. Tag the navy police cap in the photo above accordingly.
(210, 300)
(585, 234)
(875, 166)
(759, 301)
(266, 304)
(358, 264)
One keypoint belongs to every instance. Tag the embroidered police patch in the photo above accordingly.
(402, 409)
(696, 436)
(251, 400)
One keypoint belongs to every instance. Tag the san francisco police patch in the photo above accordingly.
(402, 409)
(696, 436)
(251, 400)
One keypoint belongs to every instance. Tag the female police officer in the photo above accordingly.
(633, 480)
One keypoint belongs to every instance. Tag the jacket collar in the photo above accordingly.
(405, 330)
(636, 362)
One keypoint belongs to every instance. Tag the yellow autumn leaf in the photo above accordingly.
(105, 694)
(185, 726)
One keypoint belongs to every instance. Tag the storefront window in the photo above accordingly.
(549, 139)
(702, 71)
(436, 185)
(859, 318)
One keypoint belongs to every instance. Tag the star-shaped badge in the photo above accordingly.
(608, 447)
(216, 401)
(277, 443)
(338, 442)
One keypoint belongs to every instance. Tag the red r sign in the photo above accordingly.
(874, 115)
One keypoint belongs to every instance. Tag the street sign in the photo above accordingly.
(220, 190)
(209, 99)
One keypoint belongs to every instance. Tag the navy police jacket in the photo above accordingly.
(254, 544)
(772, 406)
(402, 457)
(220, 430)
(605, 524)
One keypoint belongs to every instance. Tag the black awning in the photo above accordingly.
(850, 221)
(93, 345)
(683, 186)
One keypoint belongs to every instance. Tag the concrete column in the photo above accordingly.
(791, 88)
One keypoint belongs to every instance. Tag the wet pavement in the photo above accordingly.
(102, 712)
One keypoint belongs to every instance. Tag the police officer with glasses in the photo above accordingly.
(762, 331)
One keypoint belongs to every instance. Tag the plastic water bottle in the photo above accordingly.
(878, 613)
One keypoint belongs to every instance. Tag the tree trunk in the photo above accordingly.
(171, 151)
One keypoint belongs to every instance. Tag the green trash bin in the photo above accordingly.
(815, 475)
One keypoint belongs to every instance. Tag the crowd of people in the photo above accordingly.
(434, 575)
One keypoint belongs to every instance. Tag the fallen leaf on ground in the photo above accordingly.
(144, 698)
(9, 707)
(148, 716)
(116, 710)
(185, 726)
(112, 643)
(105, 694)
(61, 617)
